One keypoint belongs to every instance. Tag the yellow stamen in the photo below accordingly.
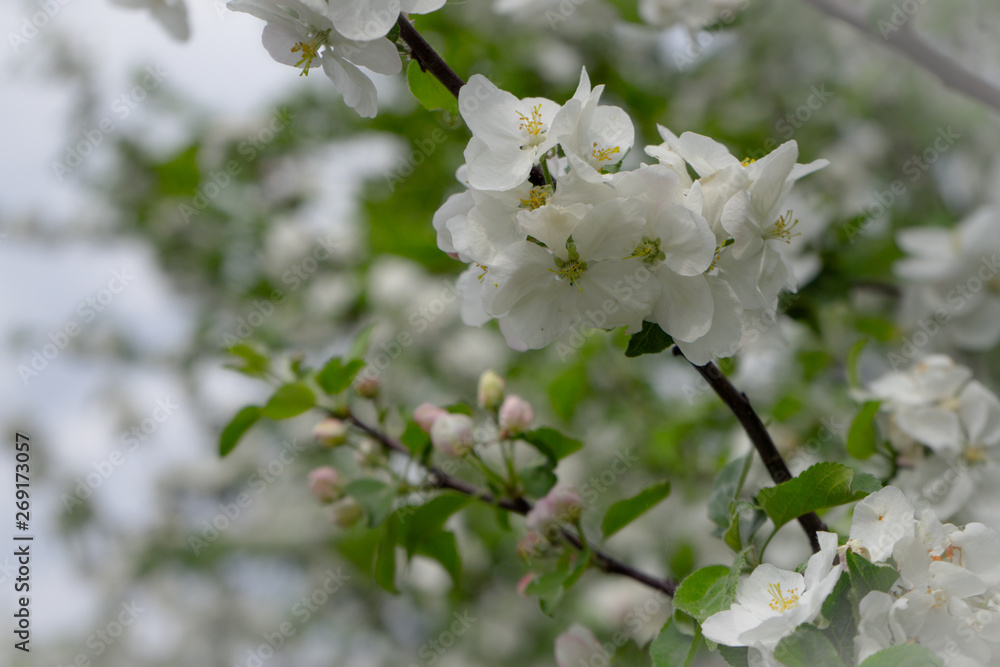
(747, 161)
(783, 228)
(782, 602)
(537, 198)
(533, 126)
(309, 51)
(604, 154)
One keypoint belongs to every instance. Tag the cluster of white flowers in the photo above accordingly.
(339, 35)
(947, 598)
(952, 282)
(946, 428)
(599, 248)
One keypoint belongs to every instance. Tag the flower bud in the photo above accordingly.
(452, 435)
(490, 392)
(325, 484)
(522, 586)
(369, 453)
(331, 432)
(578, 646)
(346, 513)
(368, 387)
(426, 414)
(561, 506)
(532, 544)
(516, 415)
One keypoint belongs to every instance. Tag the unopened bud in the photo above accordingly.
(516, 415)
(346, 513)
(561, 506)
(425, 415)
(490, 393)
(532, 544)
(331, 432)
(579, 646)
(325, 484)
(368, 387)
(452, 435)
(369, 453)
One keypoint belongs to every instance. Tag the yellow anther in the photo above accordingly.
(783, 227)
(604, 153)
(747, 161)
(533, 126)
(309, 51)
(782, 602)
(537, 198)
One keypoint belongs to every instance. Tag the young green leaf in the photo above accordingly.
(626, 511)
(385, 557)
(904, 655)
(671, 648)
(705, 592)
(377, 498)
(727, 486)
(235, 429)
(538, 480)
(867, 576)
(823, 485)
(430, 92)
(255, 364)
(289, 400)
(441, 546)
(416, 440)
(651, 340)
(550, 442)
(359, 347)
(807, 647)
(337, 376)
(862, 438)
(429, 518)
(853, 356)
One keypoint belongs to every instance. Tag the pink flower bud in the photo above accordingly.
(532, 545)
(452, 435)
(524, 583)
(426, 414)
(562, 506)
(325, 484)
(516, 415)
(578, 646)
(368, 387)
(490, 392)
(331, 432)
(346, 513)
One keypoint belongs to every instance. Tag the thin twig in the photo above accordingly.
(908, 43)
(441, 480)
(739, 405)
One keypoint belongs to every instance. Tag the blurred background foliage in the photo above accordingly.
(332, 213)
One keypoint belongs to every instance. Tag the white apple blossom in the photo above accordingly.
(365, 20)
(299, 34)
(772, 602)
(881, 520)
(578, 646)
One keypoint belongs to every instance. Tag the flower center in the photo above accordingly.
(782, 601)
(649, 250)
(310, 51)
(949, 555)
(538, 197)
(976, 454)
(570, 269)
(533, 126)
(747, 161)
(783, 226)
(604, 154)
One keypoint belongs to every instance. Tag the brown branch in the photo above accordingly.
(739, 405)
(903, 40)
(441, 480)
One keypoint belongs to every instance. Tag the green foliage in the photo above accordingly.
(904, 655)
(376, 497)
(672, 648)
(822, 485)
(289, 400)
(626, 511)
(254, 363)
(862, 438)
(430, 92)
(705, 592)
(235, 429)
(337, 376)
(651, 340)
(806, 647)
(551, 443)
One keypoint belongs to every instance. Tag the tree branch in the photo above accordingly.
(905, 41)
(740, 406)
(441, 480)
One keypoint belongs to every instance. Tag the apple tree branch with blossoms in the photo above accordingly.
(562, 233)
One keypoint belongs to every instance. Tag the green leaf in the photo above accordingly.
(441, 547)
(235, 429)
(416, 440)
(430, 92)
(548, 588)
(289, 400)
(737, 656)
(429, 518)
(867, 576)
(861, 439)
(567, 390)
(255, 364)
(337, 376)
(807, 647)
(385, 557)
(853, 356)
(377, 498)
(705, 592)
(823, 485)
(626, 511)
(671, 648)
(550, 442)
(359, 347)
(840, 612)
(537, 481)
(727, 485)
(903, 655)
(651, 340)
